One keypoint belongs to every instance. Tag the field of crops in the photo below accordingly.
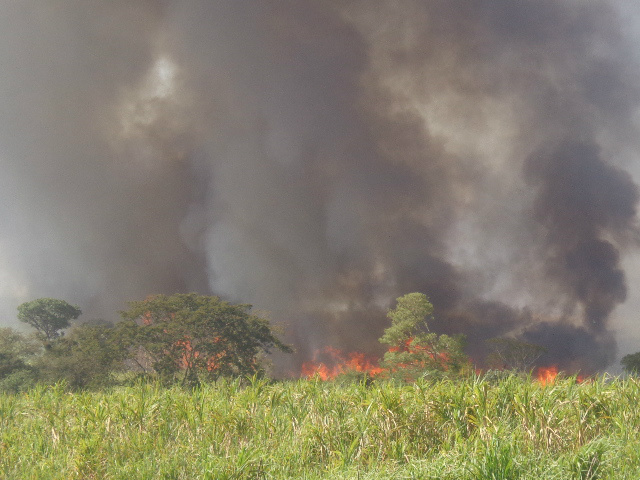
(473, 428)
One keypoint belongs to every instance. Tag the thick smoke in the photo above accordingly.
(581, 201)
(319, 159)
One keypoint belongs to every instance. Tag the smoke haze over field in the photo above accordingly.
(320, 159)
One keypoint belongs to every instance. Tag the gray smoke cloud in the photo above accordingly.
(319, 159)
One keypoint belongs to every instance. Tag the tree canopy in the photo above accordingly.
(197, 336)
(413, 349)
(48, 316)
(15, 351)
(86, 357)
(631, 363)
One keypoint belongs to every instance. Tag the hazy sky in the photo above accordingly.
(320, 158)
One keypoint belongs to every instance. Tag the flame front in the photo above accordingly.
(329, 362)
(335, 362)
(338, 363)
(547, 375)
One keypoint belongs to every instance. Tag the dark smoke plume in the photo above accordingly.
(581, 200)
(320, 159)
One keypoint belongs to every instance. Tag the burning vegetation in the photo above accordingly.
(189, 338)
(415, 352)
(330, 362)
(196, 337)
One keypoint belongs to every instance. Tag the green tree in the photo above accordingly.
(87, 356)
(18, 345)
(631, 363)
(196, 336)
(413, 349)
(17, 354)
(48, 316)
(514, 354)
(9, 364)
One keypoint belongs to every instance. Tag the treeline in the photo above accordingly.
(189, 339)
(182, 338)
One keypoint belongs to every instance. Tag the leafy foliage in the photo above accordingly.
(631, 363)
(18, 345)
(17, 352)
(414, 350)
(197, 336)
(87, 357)
(184, 334)
(48, 316)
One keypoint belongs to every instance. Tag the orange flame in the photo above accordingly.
(338, 363)
(547, 375)
(190, 355)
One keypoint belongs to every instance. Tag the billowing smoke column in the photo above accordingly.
(583, 205)
(319, 159)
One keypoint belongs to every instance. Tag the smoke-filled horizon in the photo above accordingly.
(320, 159)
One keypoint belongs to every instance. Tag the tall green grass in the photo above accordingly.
(471, 428)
